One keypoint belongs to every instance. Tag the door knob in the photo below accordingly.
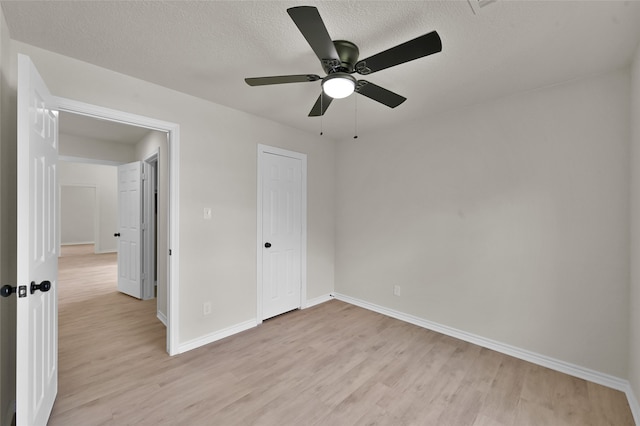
(44, 286)
(117, 234)
(267, 245)
(7, 290)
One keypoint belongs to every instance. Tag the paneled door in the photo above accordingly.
(37, 249)
(130, 229)
(282, 186)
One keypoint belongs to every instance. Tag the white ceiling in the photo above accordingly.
(207, 48)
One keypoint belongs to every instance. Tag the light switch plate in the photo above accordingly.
(207, 213)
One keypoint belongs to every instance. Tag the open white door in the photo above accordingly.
(130, 229)
(37, 249)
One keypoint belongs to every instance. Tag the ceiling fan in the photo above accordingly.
(339, 59)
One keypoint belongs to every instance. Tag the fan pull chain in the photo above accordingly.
(321, 111)
(355, 130)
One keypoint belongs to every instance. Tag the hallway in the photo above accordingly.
(98, 325)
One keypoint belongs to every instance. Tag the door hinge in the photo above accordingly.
(144, 226)
(143, 276)
(144, 176)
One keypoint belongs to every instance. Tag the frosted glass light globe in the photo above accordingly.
(338, 85)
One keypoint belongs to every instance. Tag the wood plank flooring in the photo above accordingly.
(333, 364)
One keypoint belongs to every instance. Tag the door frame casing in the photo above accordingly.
(270, 150)
(173, 162)
(149, 185)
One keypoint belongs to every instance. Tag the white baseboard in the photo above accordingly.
(96, 251)
(229, 331)
(105, 251)
(317, 300)
(162, 317)
(634, 404)
(535, 358)
(218, 335)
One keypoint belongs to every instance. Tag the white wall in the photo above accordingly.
(87, 148)
(7, 226)
(151, 143)
(218, 151)
(157, 142)
(634, 332)
(77, 214)
(105, 181)
(508, 220)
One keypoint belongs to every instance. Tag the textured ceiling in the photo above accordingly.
(206, 49)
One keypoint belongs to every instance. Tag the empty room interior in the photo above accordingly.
(455, 240)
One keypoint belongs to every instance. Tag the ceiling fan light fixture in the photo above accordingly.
(338, 85)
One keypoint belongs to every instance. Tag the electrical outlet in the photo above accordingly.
(396, 290)
(206, 308)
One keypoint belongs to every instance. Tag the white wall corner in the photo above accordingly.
(535, 358)
(218, 335)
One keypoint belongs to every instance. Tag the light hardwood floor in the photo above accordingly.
(333, 364)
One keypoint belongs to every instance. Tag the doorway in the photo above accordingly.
(167, 259)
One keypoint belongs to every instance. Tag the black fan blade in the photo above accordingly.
(310, 24)
(281, 79)
(321, 105)
(379, 94)
(425, 45)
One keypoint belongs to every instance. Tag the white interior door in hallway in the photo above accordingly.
(283, 186)
(130, 229)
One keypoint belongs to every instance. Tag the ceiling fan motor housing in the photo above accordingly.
(348, 54)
